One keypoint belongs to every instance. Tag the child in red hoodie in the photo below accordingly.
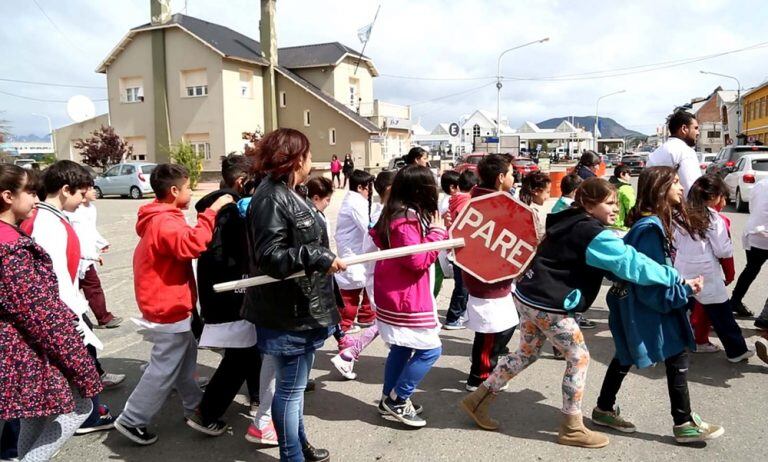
(165, 292)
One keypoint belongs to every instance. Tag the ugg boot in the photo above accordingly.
(574, 433)
(476, 405)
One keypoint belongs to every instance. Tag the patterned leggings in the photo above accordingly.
(41, 438)
(563, 331)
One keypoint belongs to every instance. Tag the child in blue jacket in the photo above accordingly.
(649, 324)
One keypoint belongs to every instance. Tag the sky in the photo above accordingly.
(447, 50)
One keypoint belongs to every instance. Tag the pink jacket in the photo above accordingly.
(401, 286)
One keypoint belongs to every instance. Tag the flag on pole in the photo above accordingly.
(364, 33)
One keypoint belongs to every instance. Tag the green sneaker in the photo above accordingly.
(696, 430)
(612, 419)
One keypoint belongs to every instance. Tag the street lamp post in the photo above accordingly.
(597, 108)
(50, 130)
(499, 85)
(738, 100)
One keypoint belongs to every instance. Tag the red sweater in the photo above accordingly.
(162, 263)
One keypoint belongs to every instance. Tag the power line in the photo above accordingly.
(453, 94)
(409, 77)
(30, 98)
(56, 27)
(48, 84)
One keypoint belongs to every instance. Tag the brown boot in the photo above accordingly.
(574, 433)
(476, 405)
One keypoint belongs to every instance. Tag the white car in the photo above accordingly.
(750, 169)
(705, 158)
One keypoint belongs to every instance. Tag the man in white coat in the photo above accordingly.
(678, 151)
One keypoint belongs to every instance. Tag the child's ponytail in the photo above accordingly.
(705, 189)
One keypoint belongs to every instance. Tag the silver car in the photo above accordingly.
(129, 179)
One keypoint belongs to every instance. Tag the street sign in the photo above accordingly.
(499, 234)
(453, 129)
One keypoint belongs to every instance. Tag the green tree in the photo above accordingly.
(184, 154)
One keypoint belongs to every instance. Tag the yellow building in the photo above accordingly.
(755, 104)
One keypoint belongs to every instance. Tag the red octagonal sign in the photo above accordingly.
(499, 234)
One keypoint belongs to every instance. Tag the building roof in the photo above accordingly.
(320, 55)
(727, 96)
(754, 89)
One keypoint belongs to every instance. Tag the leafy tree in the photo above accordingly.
(184, 154)
(103, 148)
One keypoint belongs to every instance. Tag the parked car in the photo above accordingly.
(749, 169)
(129, 179)
(523, 166)
(469, 162)
(635, 162)
(396, 163)
(612, 159)
(726, 159)
(29, 164)
(705, 158)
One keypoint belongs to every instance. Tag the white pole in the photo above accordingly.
(597, 106)
(50, 130)
(357, 259)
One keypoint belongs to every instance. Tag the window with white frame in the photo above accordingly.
(354, 92)
(331, 136)
(194, 83)
(283, 99)
(138, 146)
(307, 118)
(131, 89)
(476, 131)
(201, 144)
(246, 83)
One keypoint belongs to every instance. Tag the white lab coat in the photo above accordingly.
(701, 257)
(352, 238)
(675, 153)
(91, 241)
(756, 231)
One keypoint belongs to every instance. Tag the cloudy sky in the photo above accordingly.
(454, 42)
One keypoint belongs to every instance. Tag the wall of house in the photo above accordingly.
(321, 77)
(755, 110)
(341, 76)
(241, 113)
(67, 135)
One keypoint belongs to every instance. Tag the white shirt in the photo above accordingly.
(352, 239)
(698, 256)
(91, 241)
(756, 231)
(443, 205)
(491, 315)
(676, 153)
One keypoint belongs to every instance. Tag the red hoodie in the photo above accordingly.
(162, 263)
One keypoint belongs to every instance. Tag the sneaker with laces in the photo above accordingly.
(742, 357)
(585, 323)
(97, 423)
(138, 435)
(696, 430)
(384, 413)
(403, 410)
(215, 428)
(344, 367)
(741, 310)
(109, 381)
(612, 419)
(455, 325)
(266, 435)
(253, 409)
(708, 347)
(111, 324)
(761, 347)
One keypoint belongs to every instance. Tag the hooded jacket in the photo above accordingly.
(162, 262)
(625, 196)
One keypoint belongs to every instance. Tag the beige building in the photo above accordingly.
(213, 88)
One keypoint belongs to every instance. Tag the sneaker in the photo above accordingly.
(344, 367)
(742, 357)
(215, 428)
(109, 381)
(313, 454)
(761, 323)
(111, 324)
(310, 386)
(353, 330)
(455, 325)
(105, 421)
(696, 430)
(138, 435)
(470, 388)
(761, 347)
(741, 310)
(253, 409)
(266, 435)
(585, 323)
(403, 411)
(383, 411)
(612, 419)
(708, 347)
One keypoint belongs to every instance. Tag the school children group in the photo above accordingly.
(660, 250)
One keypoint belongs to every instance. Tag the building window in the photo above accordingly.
(132, 95)
(307, 118)
(332, 136)
(139, 157)
(246, 83)
(476, 131)
(202, 148)
(713, 134)
(354, 92)
(194, 83)
(283, 99)
(131, 89)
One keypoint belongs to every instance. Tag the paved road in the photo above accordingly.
(341, 415)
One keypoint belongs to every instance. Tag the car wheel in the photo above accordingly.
(99, 194)
(135, 193)
(741, 206)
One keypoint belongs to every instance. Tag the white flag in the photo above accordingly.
(364, 33)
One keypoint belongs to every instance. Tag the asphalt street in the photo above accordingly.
(341, 415)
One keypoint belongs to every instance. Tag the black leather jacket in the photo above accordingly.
(285, 236)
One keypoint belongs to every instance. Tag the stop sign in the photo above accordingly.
(499, 234)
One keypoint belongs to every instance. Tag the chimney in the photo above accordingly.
(268, 36)
(160, 11)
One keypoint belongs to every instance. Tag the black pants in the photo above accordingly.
(726, 328)
(677, 386)
(755, 259)
(237, 366)
(9, 439)
(485, 354)
(458, 305)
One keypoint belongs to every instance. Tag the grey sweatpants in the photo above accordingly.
(172, 364)
(40, 438)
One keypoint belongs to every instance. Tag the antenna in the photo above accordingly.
(80, 108)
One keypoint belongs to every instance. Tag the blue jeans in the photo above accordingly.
(406, 368)
(288, 404)
(458, 305)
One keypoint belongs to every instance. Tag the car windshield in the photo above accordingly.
(522, 162)
(760, 165)
(474, 160)
(709, 157)
(741, 151)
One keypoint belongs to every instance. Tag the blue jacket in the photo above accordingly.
(649, 323)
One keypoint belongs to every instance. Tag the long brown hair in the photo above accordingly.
(414, 188)
(652, 188)
(703, 190)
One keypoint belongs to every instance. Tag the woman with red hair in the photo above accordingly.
(293, 317)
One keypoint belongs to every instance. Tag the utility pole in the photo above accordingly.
(268, 36)
(160, 11)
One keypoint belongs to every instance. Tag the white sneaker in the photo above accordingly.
(353, 330)
(109, 380)
(344, 367)
(742, 357)
(707, 348)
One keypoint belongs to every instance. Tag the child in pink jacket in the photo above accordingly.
(406, 311)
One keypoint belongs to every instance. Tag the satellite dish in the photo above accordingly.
(80, 108)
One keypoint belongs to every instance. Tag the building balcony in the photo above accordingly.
(380, 109)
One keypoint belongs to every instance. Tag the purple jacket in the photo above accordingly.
(401, 286)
